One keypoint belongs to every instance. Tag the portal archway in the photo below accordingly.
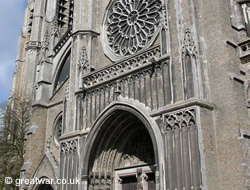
(123, 152)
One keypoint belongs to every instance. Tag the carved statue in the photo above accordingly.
(139, 185)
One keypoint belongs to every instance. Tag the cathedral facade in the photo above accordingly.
(136, 94)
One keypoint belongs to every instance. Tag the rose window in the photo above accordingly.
(131, 24)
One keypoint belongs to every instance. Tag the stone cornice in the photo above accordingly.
(86, 32)
(183, 104)
(74, 134)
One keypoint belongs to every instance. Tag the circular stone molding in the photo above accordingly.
(58, 129)
(129, 26)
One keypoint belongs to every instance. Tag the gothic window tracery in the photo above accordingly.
(64, 72)
(131, 25)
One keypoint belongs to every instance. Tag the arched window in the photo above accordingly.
(64, 72)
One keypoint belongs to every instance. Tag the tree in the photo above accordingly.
(15, 121)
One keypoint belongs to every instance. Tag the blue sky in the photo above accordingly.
(11, 19)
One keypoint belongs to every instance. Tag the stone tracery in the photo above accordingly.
(131, 24)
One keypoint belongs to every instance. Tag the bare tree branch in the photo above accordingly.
(15, 121)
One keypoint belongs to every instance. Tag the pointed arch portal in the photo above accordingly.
(122, 152)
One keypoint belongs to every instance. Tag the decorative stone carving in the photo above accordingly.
(33, 45)
(182, 148)
(48, 147)
(55, 27)
(58, 129)
(144, 177)
(119, 180)
(92, 180)
(246, 12)
(244, 51)
(45, 43)
(138, 83)
(138, 151)
(188, 46)
(132, 24)
(118, 88)
(83, 62)
(120, 68)
(67, 91)
(49, 141)
(128, 160)
(31, 52)
(63, 40)
(190, 66)
(100, 181)
(139, 184)
(165, 41)
(180, 120)
(164, 19)
(69, 146)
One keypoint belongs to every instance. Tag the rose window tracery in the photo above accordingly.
(131, 24)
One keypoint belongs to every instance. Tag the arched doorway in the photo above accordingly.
(122, 156)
